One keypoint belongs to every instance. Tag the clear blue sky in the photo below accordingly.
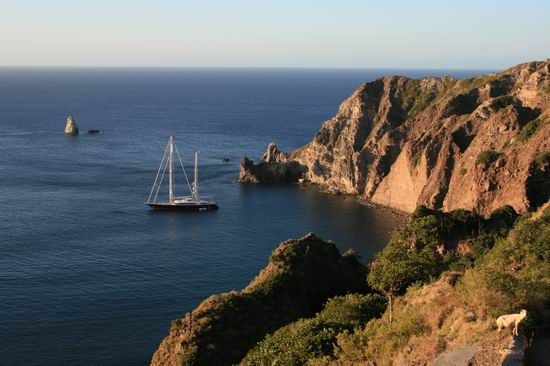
(274, 33)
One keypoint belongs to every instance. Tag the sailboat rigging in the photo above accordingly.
(193, 202)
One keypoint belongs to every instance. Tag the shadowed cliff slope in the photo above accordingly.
(477, 143)
(301, 275)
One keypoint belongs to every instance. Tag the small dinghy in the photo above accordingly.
(193, 202)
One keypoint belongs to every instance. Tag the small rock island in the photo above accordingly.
(70, 126)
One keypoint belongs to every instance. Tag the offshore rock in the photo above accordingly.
(70, 126)
(300, 276)
(475, 144)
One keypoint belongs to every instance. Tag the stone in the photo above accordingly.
(70, 126)
(93, 131)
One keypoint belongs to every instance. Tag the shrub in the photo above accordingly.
(414, 99)
(503, 217)
(410, 256)
(514, 273)
(475, 82)
(352, 310)
(307, 339)
(379, 341)
(502, 102)
(542, 160)
(530, 129)
(295, 344)
(422, 211)
(487, 157)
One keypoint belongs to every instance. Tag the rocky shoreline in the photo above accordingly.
(474, 144)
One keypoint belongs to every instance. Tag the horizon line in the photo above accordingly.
(246, 67)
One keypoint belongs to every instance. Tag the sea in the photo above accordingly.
(89, 275)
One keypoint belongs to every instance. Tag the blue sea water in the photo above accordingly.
(88, 274)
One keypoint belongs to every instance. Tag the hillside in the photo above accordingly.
(300, 276)
(475, 144)
(447, 276)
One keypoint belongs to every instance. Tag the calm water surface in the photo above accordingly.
(88, 274)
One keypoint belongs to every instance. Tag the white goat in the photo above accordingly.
(505, 321)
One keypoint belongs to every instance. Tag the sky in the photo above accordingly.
(460, 34)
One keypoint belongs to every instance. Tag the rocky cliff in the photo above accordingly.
(301, 275)
(477, 143)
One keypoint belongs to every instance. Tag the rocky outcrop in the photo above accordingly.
(275, 168)
(70, 126)
(274, 155)
(301, 275)
(440, 142)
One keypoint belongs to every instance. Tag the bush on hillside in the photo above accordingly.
(307, 339)
(487, 157)
(503, 101)
(514, 273)
(530, 129)
(542, 160)
(380, 340)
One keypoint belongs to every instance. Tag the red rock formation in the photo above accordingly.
(402, 142)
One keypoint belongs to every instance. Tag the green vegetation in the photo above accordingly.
(514, 273)
(441, 280)
(487, 157)
(429, 245)
(503, 102)
(475, 82)
(307, 339)
(408, 257)
(531, 128)
(542, 160)
(414, 99)
(380, 340)
(299, 279)
(416, 159)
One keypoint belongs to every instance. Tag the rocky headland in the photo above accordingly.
(475, 144)
(300, 276)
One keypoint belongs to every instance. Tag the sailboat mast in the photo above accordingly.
(171, 171)
(196, 180)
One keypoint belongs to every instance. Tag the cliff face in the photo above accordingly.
(301, 275)
(477, 143)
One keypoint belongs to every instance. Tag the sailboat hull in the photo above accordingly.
(190, 207)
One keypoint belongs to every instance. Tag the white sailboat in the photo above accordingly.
(193, 202)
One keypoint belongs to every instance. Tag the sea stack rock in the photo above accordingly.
(70, 126)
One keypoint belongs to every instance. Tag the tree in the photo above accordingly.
(398, 266)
